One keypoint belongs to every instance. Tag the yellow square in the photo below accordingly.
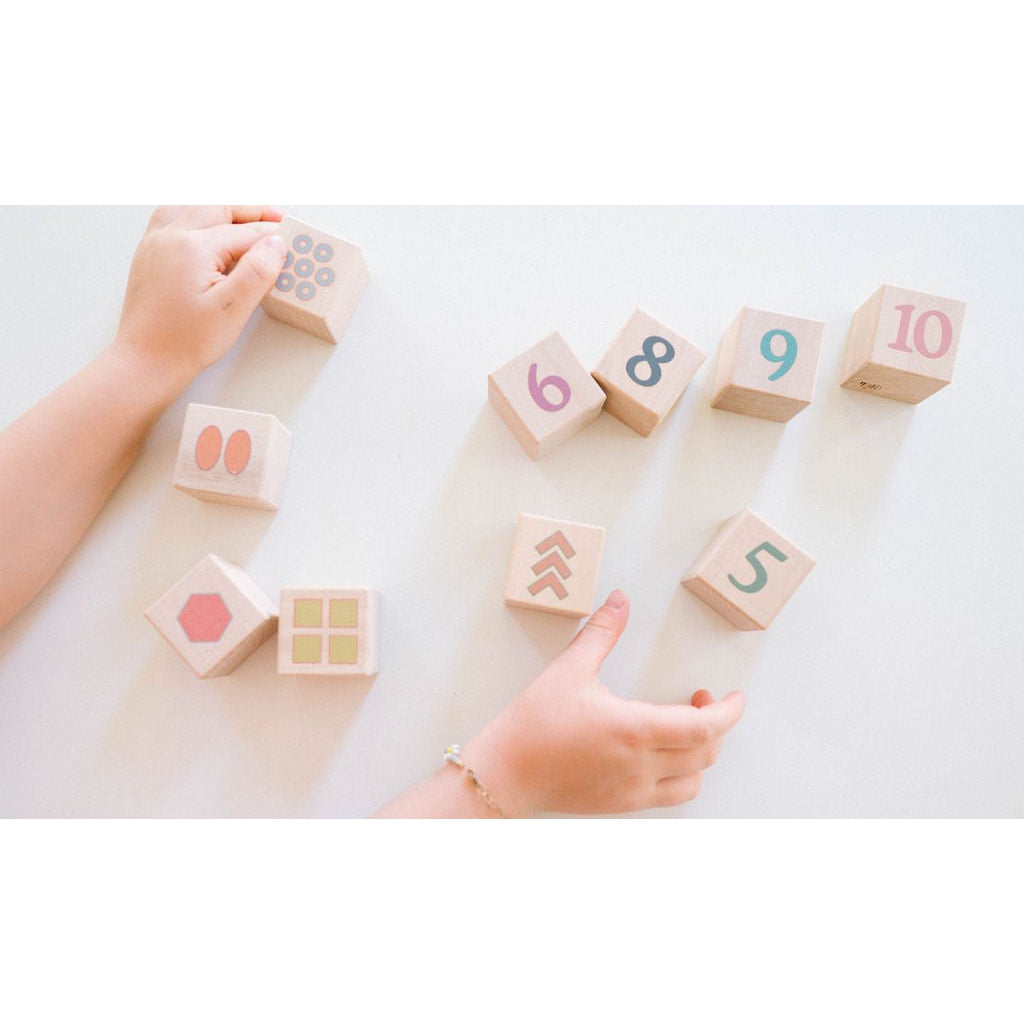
(309, 612)
(343, 650)
(344, 612)
(306, 650)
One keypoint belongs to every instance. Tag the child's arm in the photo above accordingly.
(567, 744)
(198, 274)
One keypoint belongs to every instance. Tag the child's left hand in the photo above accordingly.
(198, 274)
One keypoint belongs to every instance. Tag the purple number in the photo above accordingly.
(537, 390)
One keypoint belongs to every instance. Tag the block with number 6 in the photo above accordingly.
(645, 371)
(748, 572)
(767, 364)
(902, 344)
(545, 396)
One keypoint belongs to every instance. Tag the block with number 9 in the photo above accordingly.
(767, 364)
(748, 572)
(545, 396)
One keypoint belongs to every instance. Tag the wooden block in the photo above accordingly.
(902, 344)
(767, 364)
(329, 631)
(645, 371)
(748, 572)
(321, 282)
(232, 456)
(214, 617)
(554, 566)
(545, 396)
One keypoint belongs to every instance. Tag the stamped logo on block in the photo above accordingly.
(553, 566)
(306, 268)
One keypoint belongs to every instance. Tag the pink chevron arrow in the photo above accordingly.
(556, 540)
(552, 581)
(553, 561)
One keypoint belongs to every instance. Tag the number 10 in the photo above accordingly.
(900, 344)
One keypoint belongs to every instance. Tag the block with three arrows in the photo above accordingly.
(554, 566)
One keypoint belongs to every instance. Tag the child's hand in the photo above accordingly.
(198, 274)
(568, 744)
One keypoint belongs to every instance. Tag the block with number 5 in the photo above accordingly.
(645, 371)
(767, 364)
(748, 572)
(902, 344)
(545, 396)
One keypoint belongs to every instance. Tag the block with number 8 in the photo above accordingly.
(902, 344)
(767, 364)
(748, 572)
(545, 396)
(645, 371)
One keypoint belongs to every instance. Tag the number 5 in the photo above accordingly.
(760, 574)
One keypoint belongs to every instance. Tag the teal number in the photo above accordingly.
(760, 574)
(788, 357)
(651, 360)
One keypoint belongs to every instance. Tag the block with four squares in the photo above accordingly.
(329, 631)
(320, 284)
(902, 344)
(748, 572)
(214, 617)
(645, 371)
(554, 566)
(232, 456)
(767, 364)
(545, 396)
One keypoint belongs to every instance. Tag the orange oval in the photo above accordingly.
(237, 452)
(208, 447)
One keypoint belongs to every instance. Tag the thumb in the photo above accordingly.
(594, 642)
(255, 273)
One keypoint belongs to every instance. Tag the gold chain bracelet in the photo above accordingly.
(453, 755)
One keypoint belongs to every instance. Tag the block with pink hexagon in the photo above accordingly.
(214, 617)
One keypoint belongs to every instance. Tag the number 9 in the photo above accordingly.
(788, 357)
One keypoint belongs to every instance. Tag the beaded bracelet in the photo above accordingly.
(453, 755)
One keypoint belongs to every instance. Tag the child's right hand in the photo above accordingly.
(568, 744)
(198, 274)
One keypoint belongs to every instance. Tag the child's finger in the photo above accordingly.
(253, 274)
(673, 726)
(232, 241)
(594, 641)
(674, 791)
(210, 216)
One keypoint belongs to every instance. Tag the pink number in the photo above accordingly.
(537, 390)
(900, 344)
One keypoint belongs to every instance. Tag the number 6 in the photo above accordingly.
(760, 573)
(537, 389)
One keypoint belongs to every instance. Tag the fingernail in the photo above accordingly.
(616, 599)
(276, 242)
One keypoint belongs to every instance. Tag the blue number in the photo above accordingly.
(788, 357)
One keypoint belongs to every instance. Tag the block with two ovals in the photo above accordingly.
(233, 456)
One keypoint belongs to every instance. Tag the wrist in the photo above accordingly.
(145, 373)
(488, 756)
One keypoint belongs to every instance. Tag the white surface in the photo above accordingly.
(891, 684)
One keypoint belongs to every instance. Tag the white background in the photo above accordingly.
(890, 685)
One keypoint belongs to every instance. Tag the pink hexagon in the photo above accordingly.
(204, 618)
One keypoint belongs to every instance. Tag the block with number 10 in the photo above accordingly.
(645, 371)
(748, 572)
(767, 365)
(545, 396)
(902, 344)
